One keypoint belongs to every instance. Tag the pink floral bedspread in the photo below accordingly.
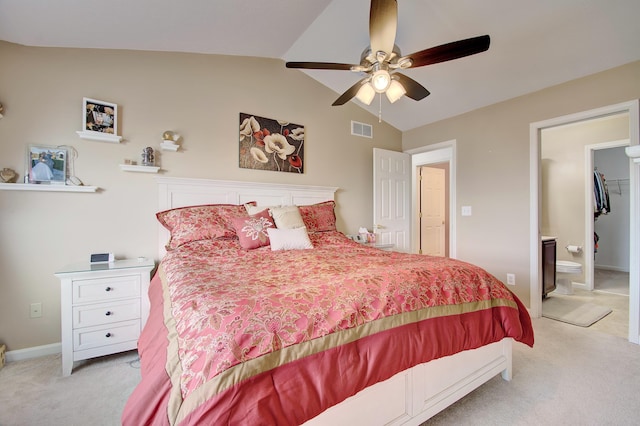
(238, 314)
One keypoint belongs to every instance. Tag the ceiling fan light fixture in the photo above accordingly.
(381, 80)
(404, 63)
(366, 93)
(395, 91)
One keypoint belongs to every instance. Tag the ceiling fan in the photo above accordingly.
(382, 59)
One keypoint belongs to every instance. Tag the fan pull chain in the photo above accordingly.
(380, 108)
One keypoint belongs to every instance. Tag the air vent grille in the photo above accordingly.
(361, 129)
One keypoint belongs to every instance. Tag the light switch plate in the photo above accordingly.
(466, 211)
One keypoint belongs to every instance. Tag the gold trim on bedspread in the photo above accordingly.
(173, 367)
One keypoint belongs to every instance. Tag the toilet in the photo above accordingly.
(565, 268)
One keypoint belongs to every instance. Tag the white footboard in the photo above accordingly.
(413, 396)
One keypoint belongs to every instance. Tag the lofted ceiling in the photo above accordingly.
(534, 44)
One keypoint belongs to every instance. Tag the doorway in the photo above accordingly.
(611, 227)
(441, 155)
(433, 209)
(632, 109)
(573, 157)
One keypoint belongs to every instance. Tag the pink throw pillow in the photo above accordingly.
(319, 217)
(252, 230)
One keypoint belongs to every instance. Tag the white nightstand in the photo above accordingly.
(103, 308)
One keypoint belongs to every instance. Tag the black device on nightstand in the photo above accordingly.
(101, 257)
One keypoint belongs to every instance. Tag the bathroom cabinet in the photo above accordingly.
(548, 266)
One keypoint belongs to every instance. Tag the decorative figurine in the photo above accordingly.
(8, 175)
(170, 140)
(169, 136)
(148, 159)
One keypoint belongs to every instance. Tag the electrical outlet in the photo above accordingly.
(511, 279)
(35, 310)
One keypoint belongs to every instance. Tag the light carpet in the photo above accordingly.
(573, 311)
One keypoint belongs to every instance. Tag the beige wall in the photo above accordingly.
(562, 159)
(199, 96)
(493, 165)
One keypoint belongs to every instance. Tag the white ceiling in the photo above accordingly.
(534, 44)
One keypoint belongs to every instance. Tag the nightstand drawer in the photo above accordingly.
(105, 335)
(96, 290)
(105, 313)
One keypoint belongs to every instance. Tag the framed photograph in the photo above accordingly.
(100, 116)
(47, 164)
(269, 144)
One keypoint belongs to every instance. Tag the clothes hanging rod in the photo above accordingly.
(617, 180)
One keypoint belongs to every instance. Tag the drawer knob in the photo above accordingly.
(107, 335)
(108, 289)
(108, 313)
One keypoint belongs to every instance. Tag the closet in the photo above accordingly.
(611, 209)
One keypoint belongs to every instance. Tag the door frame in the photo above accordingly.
(535, 268)
(443, 152)
(589, 226)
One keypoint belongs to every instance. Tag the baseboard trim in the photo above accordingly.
(575, 284)
(34, 352)
(612, 268)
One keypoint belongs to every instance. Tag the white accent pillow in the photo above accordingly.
(289, 239)
(287, 217)
(251, 209)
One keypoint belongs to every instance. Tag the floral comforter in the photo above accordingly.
(253, 333)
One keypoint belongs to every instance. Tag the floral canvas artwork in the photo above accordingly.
(267, 144)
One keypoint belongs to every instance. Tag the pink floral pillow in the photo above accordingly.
(252, 230)
(319, 217)
(205, 222)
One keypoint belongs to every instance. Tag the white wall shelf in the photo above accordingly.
(101, 137)
(168, 146)
(140, 169)
(49, 188)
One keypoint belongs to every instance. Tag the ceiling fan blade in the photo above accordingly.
(350, 93)
(319, 65)
(414, 89)
(383, 24)
(450, 51)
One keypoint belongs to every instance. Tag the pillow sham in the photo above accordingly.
(204, 222)
(286, 217)
(320, 217)
(252, 230)
(289, 239)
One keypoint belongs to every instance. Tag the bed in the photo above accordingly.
(307, 326)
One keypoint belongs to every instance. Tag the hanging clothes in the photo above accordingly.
(600, 201)
(600, 194)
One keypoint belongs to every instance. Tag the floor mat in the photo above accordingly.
(573, 311)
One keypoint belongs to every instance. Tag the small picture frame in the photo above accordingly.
(47, 164)
(99, 116)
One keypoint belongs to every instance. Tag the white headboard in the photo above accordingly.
(181, 192)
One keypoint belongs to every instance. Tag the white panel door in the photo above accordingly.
(392, 198)
(432, 211)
